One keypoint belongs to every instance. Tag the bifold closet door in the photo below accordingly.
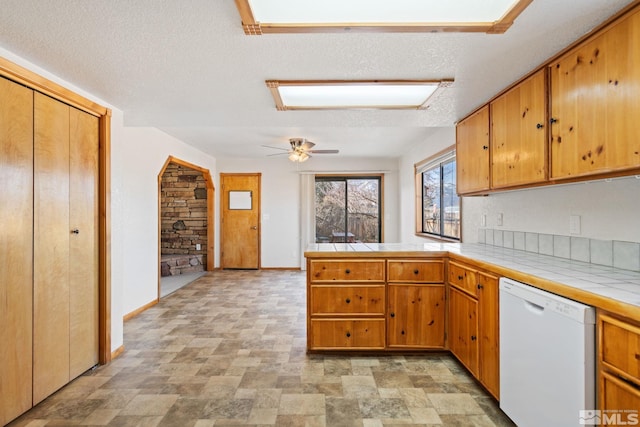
(65, 318)
(51, 247)
(83, 245)
(16, 247)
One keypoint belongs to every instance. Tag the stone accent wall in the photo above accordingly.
(183, 208)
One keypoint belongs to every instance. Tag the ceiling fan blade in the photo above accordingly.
(307, 145)
(323, 151)
(276, 148)
(276, 154)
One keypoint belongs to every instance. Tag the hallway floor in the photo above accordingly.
(229, 349)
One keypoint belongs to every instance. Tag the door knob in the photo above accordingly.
(255, 227)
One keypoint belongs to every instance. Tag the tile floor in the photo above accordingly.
(229, 349)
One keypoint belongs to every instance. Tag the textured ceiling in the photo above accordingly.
(187, 68)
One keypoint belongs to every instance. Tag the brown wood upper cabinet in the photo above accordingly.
(518, 134)
(472, 152)
(595, 103)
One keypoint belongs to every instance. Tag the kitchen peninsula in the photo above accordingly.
(444, 296)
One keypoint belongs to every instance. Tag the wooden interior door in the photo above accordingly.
(83, 245)
(240, 239)
(16, 247)
(51, 247)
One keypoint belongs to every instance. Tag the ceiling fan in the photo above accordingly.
(300, 150)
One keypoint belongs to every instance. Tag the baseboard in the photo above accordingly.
(117, 352)
(135, 312)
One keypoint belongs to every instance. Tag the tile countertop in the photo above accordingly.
(592, 284)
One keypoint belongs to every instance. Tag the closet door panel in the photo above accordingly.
(16, 246)
(51, 247)
(83, 245)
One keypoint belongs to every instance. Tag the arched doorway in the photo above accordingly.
(185, 224)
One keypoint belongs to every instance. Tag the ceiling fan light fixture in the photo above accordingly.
(298, 156)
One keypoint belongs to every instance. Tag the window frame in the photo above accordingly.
(436, 161)
(346, 177)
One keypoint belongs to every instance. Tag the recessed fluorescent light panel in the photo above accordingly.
(305, 16)
(336, 95)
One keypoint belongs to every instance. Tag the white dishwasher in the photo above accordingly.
(547, 357)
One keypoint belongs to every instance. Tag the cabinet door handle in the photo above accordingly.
(348, 334)
(485, 147)
(473, 337)
(479, 286)
(347, 300)
(392, 315)
(75, 231)
(539, 126)
(460, 277)
(553, 120)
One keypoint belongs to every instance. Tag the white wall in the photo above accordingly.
(608, 209)
(436, 142)
(138, 158)
(280, 227)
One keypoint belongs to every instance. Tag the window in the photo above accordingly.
(438, 210)
(348, 209)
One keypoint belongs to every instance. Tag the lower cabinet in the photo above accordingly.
(347, 334)
(619, 368)
(416, 316)
(473, 335)
(463, 328)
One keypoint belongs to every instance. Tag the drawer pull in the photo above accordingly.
(473, 337)
(402, 332)
(347, 271)
(479, 286)
(392, 315)
(348, 334)
(416, 271)
(460, 277)
(347, 300)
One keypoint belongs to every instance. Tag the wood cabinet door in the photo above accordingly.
(83, 245)
(595, 104)
(51, 247)
(463, 328)
(16, 247)
(518, 134)
(472, 152)
(416, 315)
(489, 333)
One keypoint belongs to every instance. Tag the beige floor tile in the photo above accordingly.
(455, 403)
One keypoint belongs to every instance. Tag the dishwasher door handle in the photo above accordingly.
(534, 308)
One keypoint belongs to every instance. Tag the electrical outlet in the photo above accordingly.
(499, 220)
(574, 224)
(198, 246)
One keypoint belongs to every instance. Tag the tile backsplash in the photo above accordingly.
(613, 253)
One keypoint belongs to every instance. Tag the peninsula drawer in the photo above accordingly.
(348, 299)
(620, 347)
(336, 334)
(416, 271)
(463, 277)
(351, 270)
